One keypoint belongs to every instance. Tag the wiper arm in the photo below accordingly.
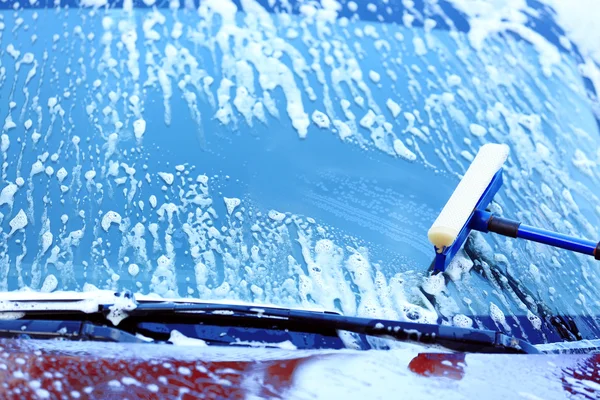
(461, 339)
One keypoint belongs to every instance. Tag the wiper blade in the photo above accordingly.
(61, 329)
(461, 339)
(123, 311)
(584, 346)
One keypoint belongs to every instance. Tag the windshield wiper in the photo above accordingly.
(155, 319)
(456, 338)
(64, 329)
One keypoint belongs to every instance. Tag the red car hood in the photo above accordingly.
(53, 369)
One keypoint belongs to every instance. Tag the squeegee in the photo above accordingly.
(466, 211)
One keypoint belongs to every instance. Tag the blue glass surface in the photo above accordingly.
(356, 195)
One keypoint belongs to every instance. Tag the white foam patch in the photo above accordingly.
(120, 307)
(46, 240)
(4, 143)
(231, 203)
(179, 339)
(61, 174)
(497, 314)
(133, 269)
(462, 321)
(374, 76)
(320, 119)
(276, 215)
(454, 80)
(139, 128)
(344, 131)
(93, 3)
(50, 284)
(9, 123)
(394, 107)
(7, 196)
(35, 136)
(466, 155)
(18, 222)
(52, 101)
(368, 120)
(536, 322)
(285, 345)
(403, 151)
(477, 130)
(434, 284)
(167, 177)
(460, 265)
(111, 217)
(419, 45)
(36, 168)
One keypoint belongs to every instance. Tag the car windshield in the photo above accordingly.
(296, 153)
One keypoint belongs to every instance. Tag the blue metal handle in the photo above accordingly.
(484, 221)
(557, 240)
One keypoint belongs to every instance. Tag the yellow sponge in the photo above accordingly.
(457, 210)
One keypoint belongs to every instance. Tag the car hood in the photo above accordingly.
(49, 369)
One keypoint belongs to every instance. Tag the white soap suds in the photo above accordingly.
(36, 168)
(61, 174)
(477, 130)
(419, 45)
(167, 177)
(50, 284)
(375, 77)
(139, 128)
(434, 284)
(179, 339)
(276, 215)
(7, 196)
(462, 321)
(111, 217)
(18, 222)
(394, 107)
(320, 119)
(133, 269)
(231, 203)
(497, 314)
(403, 151)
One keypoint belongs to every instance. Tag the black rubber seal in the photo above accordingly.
(597, 252)
(507, 227)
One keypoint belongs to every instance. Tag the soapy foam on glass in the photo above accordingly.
(321, 72)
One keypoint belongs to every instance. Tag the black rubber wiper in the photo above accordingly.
(156, 318)
(32, 328)
(455, 338)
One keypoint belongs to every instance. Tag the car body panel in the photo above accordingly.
(50, 369)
